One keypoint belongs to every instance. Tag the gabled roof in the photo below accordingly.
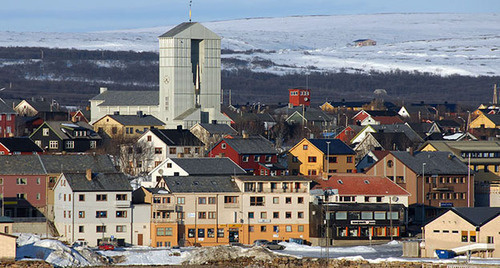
(100, 182)
(77, 163)
(448, 123)
(176, 137)
(478, 216)
(398, 128)
(193, 30)
(361, 184)
(63, 129)
(251, 145)
(128, 98)
(209, 166)
(393, 141)
(42, 105)
(495, 118)
(5, 108)
(21, 165)
(136, 120)
(436, 163)
(177, 29)
(337, 147)
(218, 128)
(20, 144)
(387, 120)
(203, 184)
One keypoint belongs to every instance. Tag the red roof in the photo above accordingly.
(361, 184)
(379, 154)
(388, 120)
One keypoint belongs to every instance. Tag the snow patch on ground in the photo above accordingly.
(52, 251)
(201, 256)
(148, 256)
(305, 248)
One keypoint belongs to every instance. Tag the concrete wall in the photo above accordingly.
(7, 247)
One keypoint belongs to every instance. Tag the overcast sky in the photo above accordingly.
(95, 15)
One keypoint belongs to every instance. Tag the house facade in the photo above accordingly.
(7, 120)
(299, 97)
(93, 208)
(59, 136)
(126, 126)
(312, 157)
(210, 134)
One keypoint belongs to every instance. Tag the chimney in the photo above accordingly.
(179, 127)
(140, 114)
(116, 113)
(103, 89)
(88, 174)
(244, 134)
(411, 151)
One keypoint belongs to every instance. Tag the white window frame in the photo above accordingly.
(70, 145)
(53, 144)
(45, 131)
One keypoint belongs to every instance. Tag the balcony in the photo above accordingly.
(163, 206)
(163, 220)
(442, 188)
(279, 191)
(122, 203)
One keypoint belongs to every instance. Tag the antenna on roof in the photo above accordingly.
(190, 2)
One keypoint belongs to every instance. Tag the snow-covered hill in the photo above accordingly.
(465, 44)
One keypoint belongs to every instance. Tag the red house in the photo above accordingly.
(18, 145)
(298, 97)
(348, 133)
(7, 120)
(251, 153)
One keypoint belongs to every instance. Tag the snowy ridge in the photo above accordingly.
(445, 44)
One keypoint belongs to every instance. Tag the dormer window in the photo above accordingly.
(45, 131)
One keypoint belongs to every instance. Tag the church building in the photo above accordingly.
(190, 82)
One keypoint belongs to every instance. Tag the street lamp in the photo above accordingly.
(423, 193)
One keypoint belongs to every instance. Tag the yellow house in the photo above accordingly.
(486, 121)
(316, 156)
(126, 126)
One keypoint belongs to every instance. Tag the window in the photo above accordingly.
(276, 200)
(269, 158)
(390, 163)
(288, 215)
(210, 232)
(300, 200)
(53, 145)
(202, 200)
(250, 215)
(211, 200)
(223, 146)
(393, 215)
(81, 229)
(332, 159)
(38, 181)
(311, 159)
(244, 158)
(288, 228)
(256, 158)
(472, 236)
(288, 200)
(81, 214)
(21, 181)
(304, 147)
(276, 215)
(201, 233)
(1, 181)
(220, 232)
(158, 150)
(256, 201)
(38, 196)
(191, 233)
(295, 159)
(230, 199)
(45, 131)
(263, 215)
(379, 199)
(379, 215)
(121, 228)
(263, 228)
(70, 144)
(101, 197)
(349, 159)
(366, 215)
(121, 213)
(172, 150)
(211, 215)
(249, 187)
(341, 215)
(181, 200)
(465, 237)
(81, 197)
(202, 215)
(354, 215)
(21, 196)
(276, 228)
(100, 229)
(311, 172)
(301, 228)
(101, 214)
(38, 143)
(490, 240)
(121, 197)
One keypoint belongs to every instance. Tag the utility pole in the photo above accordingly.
(423, 193)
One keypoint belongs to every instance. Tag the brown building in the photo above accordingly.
(434, 179)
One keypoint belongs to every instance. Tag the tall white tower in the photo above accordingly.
(190, 80)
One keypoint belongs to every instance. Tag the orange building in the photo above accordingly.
(299, 97)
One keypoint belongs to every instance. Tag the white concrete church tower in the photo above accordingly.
(190, 81)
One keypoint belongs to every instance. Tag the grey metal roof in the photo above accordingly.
(251, 145)
(478, 216)
(99, 182)
(5, 108)
(135, 120)
(128, 98)
(271, 178)
(21, 165)
(495, 118)
(20, 144)
(201, 184)
(209, 166)
(436, 163)
(399, 128)
(64, 129)
(177, 137)
(177, 29)
(77, 163)
(218, 128)
(157, 190)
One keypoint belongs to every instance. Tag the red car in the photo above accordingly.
(106, 247)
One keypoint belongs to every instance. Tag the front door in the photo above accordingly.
(234, 235)
(139, 239)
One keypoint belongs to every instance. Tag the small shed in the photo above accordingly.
(7, 247)
(364, 42)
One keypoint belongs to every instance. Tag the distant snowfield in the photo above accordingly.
(444, 44)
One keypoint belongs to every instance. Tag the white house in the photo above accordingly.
(204, 166)
(93, 207)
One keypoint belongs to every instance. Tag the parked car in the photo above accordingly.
(107, 247)
(260, 242)
(274, 246)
